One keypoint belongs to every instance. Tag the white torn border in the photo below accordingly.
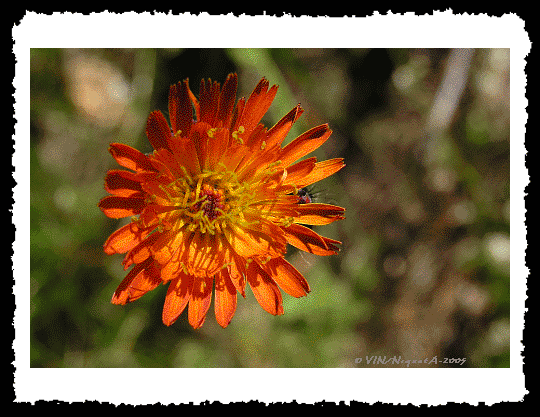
(177, 386)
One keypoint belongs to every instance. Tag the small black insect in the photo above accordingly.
(304, 196)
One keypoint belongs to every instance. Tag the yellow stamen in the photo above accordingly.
(238, 132)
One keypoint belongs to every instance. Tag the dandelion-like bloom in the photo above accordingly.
(216, 203)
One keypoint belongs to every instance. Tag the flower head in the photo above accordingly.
(216, 203)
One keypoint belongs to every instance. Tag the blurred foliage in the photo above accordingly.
(424, 266)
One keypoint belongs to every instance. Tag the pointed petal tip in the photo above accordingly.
(116, 300)
(169, 319)
(197, 326)
(167, 322)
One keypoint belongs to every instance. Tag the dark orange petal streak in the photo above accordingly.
(158, 131)
(318, 213)
(118, 207)
(200, 301)
(287, 277)
(279, 131)
(180, 110)
(130, 158)
(125, 239)
(300, 170)
(304, 238)
(225, 298)
(142, 278)
(178, 295)
(208, 101)
(320, 171)
(258, 238)
(140, 252)
(265, 289)
(123, 183)
(304, 144)
(256, 106)
(226, 100)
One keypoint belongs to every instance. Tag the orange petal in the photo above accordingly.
(256, 106)
(171, 163)
(157, 189)
(320, 171)
(287, 277)
(142, 278)
(180, 110)
(178, 295)
(125, 239)
(237, 272)
(220, 255)
(318, 214)
(177, 262)
(304, 238)
(141, 252)
(255, 140)
(200, 301)
(204, 254)
(258, 157)
(217, 146)
(209, 93)
(118, 207)
(237, 114)
(234, 155)
(123, 183)
(226, 100)
(130, 158)
(166, 245)
(304, 144)
(279, 131)
(256, 161)
(149, 215)
(298, 171)
(284, 206)
(172, 268)
(194, 101)
(158, 131)
(186, 155)
(265, 289)
(199, 137)
(225, 298)
(160, 166)
(263, 239)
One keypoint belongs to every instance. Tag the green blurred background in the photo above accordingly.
(425, 261)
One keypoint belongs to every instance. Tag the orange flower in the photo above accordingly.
(216, 203)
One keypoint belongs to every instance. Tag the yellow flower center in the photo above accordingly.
(207, 202)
